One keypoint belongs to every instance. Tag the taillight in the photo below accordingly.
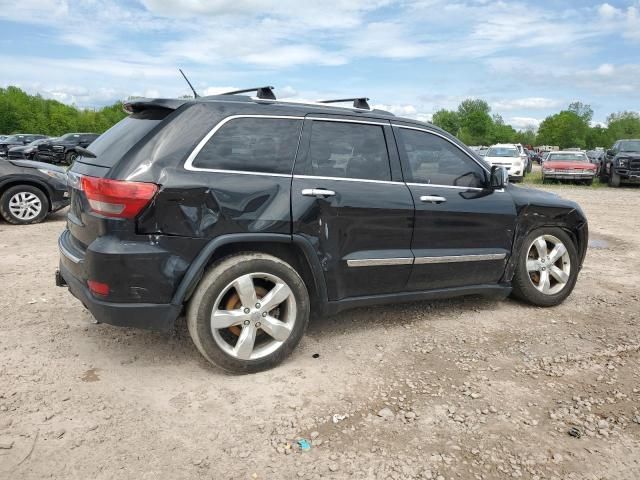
(117, 198)
(98, 288)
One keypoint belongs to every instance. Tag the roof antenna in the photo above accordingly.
(195, 94)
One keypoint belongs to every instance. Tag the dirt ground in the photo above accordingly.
(461, 389)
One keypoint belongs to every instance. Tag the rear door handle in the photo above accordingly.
(432, 199)
(318, 192)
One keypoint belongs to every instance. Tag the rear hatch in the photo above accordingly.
(101, 205)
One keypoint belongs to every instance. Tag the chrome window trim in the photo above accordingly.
(459, 258)
(377, 262)
(188, 164)
(414, 184)
(445, 138)
(342, 179)
(344, 120)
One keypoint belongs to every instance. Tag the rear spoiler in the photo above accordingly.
(139, 104)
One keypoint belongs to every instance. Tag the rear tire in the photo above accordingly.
(614, 179)
(70, 157)
(233, 332)
(539, 280)
(24, 205)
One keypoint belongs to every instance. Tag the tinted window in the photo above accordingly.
(348, 150)
(266, 145)
(502, 152)
(434, 160)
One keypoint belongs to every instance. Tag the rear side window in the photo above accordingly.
(113, 144)
(348, 150)
(266, 145)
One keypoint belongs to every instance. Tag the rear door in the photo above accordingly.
(463, 231)
(349, 201)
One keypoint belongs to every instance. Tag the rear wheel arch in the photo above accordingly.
(294, 252)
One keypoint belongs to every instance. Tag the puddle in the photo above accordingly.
(598, 243)
(90, 375)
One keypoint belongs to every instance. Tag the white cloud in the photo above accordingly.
(528, 103)
(522, 123)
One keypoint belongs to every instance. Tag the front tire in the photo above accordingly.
(547, 268)
(70, 157)
(614, 179)
(248, 313)
(23, 205)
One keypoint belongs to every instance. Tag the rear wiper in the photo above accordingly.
(85, 153)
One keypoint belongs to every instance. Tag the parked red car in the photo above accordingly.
(573, 166)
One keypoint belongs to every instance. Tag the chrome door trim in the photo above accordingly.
(344, 120)
(188, 164)
(414, 184)
(377, 262)
(459, 258)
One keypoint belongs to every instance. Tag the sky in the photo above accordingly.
(527, 59)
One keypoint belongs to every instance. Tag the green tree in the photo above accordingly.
(585, 112)
(476, 124)
(623, 125)
(565, 129)
(447, 120)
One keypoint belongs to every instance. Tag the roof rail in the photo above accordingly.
(359, 102)
(261, 92)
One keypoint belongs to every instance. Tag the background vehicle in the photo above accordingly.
(26, 152)
(508, 156)
(63, 149)
(568, 165)
(29, 191)
(597, 158)
(19, 139)
(622, 163)
(525, 159)
(253, 213)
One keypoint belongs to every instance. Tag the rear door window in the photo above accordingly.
(348, 150)
(265, 145)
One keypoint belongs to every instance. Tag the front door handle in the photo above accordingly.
(432, 199)
(318, 192)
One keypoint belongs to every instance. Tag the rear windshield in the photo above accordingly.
(502, 152)
(568, 157)
(113, 144)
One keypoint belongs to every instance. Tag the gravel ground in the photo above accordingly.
(461, 389)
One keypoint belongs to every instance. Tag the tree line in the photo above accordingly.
(24, 113)
(474, 124)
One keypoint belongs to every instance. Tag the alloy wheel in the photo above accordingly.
(25, 205)
(548, 264)
(253, 316)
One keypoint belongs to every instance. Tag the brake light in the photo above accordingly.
(117, 198)
(98, 288)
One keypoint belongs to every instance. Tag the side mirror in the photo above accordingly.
(611, 153)
(499, 177)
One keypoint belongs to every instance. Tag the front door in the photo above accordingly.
(348, 200)
(463, 230)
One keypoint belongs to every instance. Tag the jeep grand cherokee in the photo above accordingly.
(250, 214)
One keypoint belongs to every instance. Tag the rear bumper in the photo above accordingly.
(150, 316)
(72, 273)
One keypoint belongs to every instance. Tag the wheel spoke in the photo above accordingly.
(244, 345)
(541, 247)
(275, 328)
(559, 274)
(227, 318)
(246, 291)
(533, 265)
(558, 251)
(545, 283)
(278, 294)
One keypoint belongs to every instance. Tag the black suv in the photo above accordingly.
(250, 214)
(622, 163)
(17, 140)
(63, 149)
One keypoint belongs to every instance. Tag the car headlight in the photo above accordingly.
(548, 170)
(62, 176)
(622, 162)
(28, 150)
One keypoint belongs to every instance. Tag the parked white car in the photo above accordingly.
(508, 156)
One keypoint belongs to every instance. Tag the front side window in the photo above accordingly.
(348, 150)
(434, 160)
(266, 145)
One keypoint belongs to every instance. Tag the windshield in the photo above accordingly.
(38, 142)
(568, 157)
(631, 146)
(14, 139)
(68, 136)
(502, 152)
